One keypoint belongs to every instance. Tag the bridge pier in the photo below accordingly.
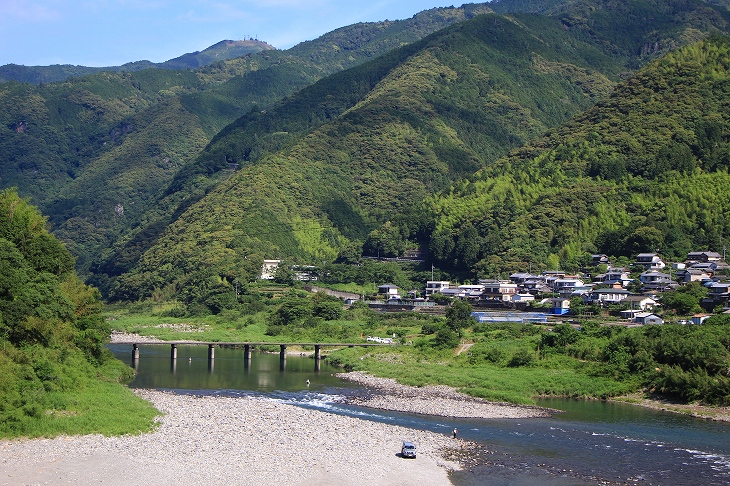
(317, 356)
(282, 357)
(247, 356)
(211, 357)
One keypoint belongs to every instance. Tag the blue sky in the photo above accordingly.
(112, 32)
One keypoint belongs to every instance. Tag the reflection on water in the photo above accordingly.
(192, 370)
(592, 442)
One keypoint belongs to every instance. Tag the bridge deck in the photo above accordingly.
(246, 343)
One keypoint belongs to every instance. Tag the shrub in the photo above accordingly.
(522, 357)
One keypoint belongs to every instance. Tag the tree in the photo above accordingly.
(458, 316)
(681, 303)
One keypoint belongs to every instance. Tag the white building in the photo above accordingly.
(436, 286)
(268, 270)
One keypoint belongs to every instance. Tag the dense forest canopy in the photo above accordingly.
(95, 153)
(344, 164)
(644, 170)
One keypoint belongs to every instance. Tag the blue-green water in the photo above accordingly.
(591, 442)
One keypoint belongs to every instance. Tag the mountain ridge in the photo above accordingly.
(225, 49)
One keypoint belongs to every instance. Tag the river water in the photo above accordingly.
(590, 442)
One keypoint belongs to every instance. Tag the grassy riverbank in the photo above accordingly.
(78, 398)
(499, 362)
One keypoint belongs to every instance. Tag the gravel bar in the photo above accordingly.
(234, 440)
(437, 400)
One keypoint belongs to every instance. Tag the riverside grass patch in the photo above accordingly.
(519, 385)
(72, 400)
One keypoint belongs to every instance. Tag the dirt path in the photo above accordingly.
(464, 347)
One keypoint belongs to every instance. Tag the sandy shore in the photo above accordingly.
(233, 440)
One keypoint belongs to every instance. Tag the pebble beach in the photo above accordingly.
(233, 440)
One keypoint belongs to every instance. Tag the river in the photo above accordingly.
(590, 442)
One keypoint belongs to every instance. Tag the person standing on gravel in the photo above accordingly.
(456, 431)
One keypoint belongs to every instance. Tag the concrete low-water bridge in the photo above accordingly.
(247, 347)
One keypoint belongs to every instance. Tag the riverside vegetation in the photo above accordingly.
(59, 378)
(503, 361)
(57, 375)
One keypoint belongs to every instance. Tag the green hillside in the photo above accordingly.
(644, 170)
(95, 153)
(362, 148)
(114, 158)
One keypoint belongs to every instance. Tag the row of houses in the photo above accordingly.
(604, 289)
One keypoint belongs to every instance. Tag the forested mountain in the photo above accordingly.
(644, 170)
(95, 152)
(349, 159)
(221, 51)
(115, 158)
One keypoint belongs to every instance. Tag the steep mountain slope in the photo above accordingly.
(95, 152)
(260, 133)
(221, 51)
(645, 170)
(363, 147)
(342, 165)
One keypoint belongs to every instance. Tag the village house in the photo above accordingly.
(703, 257)
(436, 286)
(605, 297)
(640, 302)
(559, 306)
(454, 293)
(613, 277)
(390, 291)
(551, 276)
(693, 275)
(567, 287)
(472, 291)
(520, 278)
(646, 318)
(502, 290)
(653, 281)
(708, 267)
(600, 259)
(536, 284)
(649, 261)
(699, 318)
(719, 292)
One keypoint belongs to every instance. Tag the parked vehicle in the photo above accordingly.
(408, 449)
